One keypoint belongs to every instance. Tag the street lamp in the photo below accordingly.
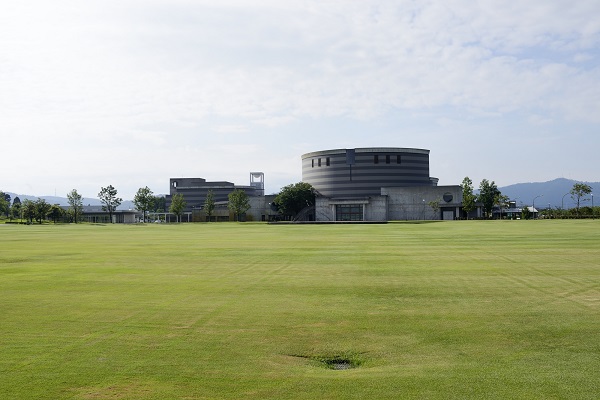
(533, 204)
(562, 202)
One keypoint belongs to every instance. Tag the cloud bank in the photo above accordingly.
(135, 92)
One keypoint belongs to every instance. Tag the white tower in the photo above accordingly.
(257, 181)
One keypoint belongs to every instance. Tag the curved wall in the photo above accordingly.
(350, 173)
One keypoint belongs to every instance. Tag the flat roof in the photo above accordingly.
(366, 150)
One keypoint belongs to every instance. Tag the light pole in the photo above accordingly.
(533, 204)
(562, 202)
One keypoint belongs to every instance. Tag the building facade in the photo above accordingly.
(194, 190)
(362, 184)
(364, 171)
(378, 184)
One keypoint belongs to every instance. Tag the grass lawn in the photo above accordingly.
(446, 310)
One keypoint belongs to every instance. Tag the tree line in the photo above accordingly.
(489, 196)
(291, 200)
(40, 210)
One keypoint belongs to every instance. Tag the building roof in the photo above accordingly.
(366, 150)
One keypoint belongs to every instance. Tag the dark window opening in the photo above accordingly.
(327, 161)
(387, 159)
(349, 212)
(313, 162)
(375, 159)
(398, 159)
(319, 162)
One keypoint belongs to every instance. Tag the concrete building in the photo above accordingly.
(378, 184)
(260, 210)
(363, 184)
(194, 191)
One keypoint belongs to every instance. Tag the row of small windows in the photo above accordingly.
(388, 160)
(327, 162)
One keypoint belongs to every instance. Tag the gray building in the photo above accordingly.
(364, 171)
(378, 184)
(194, 190)
(363, 184)
(95, 214)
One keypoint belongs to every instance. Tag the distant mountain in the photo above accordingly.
(555, 193)
(62, 201)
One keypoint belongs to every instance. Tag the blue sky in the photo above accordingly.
(132, 93)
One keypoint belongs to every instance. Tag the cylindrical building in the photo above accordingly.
(352, 173)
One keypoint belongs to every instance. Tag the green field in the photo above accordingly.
(446, 310)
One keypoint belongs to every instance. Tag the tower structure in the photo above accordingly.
(257, 181)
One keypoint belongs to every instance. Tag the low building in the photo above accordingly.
(95, 214)
(261, 209)
(195, 190)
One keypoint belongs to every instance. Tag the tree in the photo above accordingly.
(56, 212)
(295, 197)
(144, 201)
(578, 192)
(502, 201)
(435, 207)
(75, 204)
(525, 214)
(238, 203)
(42, 208)
(15, 209)
(488, 192)
(209, 204)
(4, 203)
(160, 204)
(28, 209)
(468, 198)
(109, 199)
(177, 205)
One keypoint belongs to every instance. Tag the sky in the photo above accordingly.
(131, 93)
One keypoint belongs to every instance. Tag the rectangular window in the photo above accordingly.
(398, 159)
(349, 212)
(319, 162)
(387, 158)
(375, 159)
(327, 161)
(313, 162)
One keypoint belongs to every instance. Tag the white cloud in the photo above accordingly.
(231, 129)
(159, 75)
